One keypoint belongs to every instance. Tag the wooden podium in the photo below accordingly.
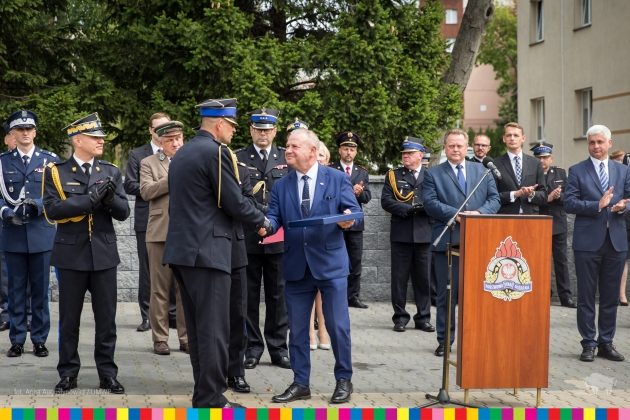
(504, 298)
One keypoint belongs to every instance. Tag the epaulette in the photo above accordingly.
(281, 148)
(104, 162)
(239, 150)
(61, 163)
(360, 167)
(8, 152)
(46, 152)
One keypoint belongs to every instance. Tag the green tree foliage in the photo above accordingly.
(370, 66)
(498, 49)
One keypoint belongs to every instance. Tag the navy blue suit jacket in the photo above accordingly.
(581, 197)
(37, 235)
(442, 196)
(321, 247)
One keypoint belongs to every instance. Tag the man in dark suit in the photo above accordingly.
(205, 199)
(521, 186)
(555, 181)
(266, 165)
(141, 214)
(410, 236)
(27, 238)
(444, 189)
(82, 195)
(347, 142)
(597, 193)
(315, 258)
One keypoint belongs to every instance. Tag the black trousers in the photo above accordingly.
(206, 301)
(411, 260)
(266, 269)
(238, 319)
(72, 287)
(144, 281)
(354, 244)
(561, 266)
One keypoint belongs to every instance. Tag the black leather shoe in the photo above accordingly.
(282, 362)
(399, 327)
(238, 384)
(342, 392)
(293, 393)
(4, 326)
(569, 303)
(66, 384)
(40, 350)
(356, 303)
(439, 352)
(16, 350)
(250, 362)
(425, 326)
(588, 354)
(608, 351)
(112, 385)
(144, 326)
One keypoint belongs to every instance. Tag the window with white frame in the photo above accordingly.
(451, 17)
(585, 12)
(585, 97)
(450, 42)
(539, 117)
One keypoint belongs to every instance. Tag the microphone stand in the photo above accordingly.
(442, 396)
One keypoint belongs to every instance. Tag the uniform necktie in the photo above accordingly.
(86, 168)
(263, 152)
(603, 176)
(348, 170)
(416, 173)
(306, 197)
(25, 159)
(460, 178)
(517, 169)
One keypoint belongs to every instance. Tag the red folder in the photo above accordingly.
(276, 237)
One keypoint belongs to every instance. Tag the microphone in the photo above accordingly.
(488, 163)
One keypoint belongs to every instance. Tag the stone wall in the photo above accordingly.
(375, 284)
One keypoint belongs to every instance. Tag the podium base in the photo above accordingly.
(443, 398)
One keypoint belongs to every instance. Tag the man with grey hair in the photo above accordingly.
(597, 193)
(315, 258)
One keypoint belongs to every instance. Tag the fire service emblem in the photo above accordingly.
(507, 275)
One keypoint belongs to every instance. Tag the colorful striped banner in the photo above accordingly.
(343, 413)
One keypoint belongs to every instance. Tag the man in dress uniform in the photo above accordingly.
(347, 143)
(205, 199)
(27, 238)
(9, 141)
(141, 214)
(410, 237)
(266, 165)
(154, 190)
(555, 181)
(83, 195)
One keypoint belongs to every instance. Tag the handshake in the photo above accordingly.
(19, 216)
(416, 208)
(264, 228)
(103, 192)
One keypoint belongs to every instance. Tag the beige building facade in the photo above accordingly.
(574, 71)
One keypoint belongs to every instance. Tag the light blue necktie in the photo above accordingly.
(460, 178)
(603, 176)
(517, 169)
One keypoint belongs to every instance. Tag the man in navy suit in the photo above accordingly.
(444, 189)
(521, 188)
(27, 238)
(597, 193)
(315, 258)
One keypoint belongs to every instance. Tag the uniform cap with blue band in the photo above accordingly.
(21, 119)
(264, 118)
(297, 124)
(413, 144)
(219, 108)
(542, 149)
(89, 126)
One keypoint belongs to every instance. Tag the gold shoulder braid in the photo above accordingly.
(54, 173)
(397, 194)
(258, 186)
(235, 168)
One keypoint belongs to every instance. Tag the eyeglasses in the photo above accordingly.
(481, 145)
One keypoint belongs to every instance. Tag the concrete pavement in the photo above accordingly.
(390, 369)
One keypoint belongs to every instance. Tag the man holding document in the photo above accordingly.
(315, 258)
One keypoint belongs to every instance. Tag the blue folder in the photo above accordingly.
(325, 220)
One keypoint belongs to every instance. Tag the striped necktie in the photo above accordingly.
(603, 176)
